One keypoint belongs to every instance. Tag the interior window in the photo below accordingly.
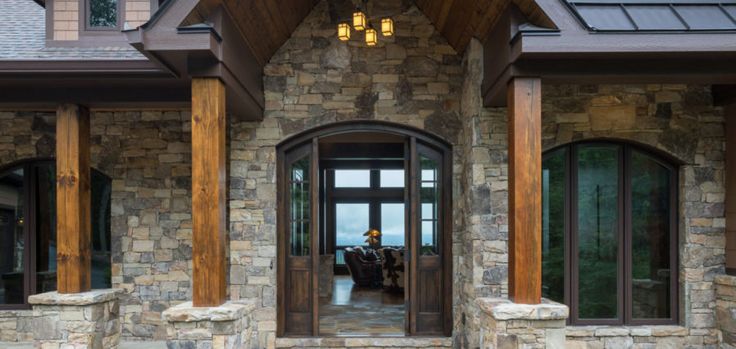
(352, 178)
(392, 178)
(611, 205)
(28, 231)
(102, 14)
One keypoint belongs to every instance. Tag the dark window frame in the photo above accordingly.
(30, 167)
(624, 255)
(86, 11)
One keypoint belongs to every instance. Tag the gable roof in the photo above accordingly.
(23, 38)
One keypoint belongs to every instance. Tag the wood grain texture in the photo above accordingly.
(460, 20)
(208, 192)
(525, 190)
(264, 24)
(73, 198)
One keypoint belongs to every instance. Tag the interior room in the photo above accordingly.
(362, 270)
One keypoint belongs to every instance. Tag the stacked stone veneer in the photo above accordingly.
(507, 325)
(726, 309)
(147, 155)
(222, 327)
(88, 320)
(413, 78)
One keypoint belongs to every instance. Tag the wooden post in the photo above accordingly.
(73, 222)
(525, 190)
(208, 192)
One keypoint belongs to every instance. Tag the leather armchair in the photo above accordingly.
(365, 269)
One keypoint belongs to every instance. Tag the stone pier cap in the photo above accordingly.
(78, 299)
(504, 309)
(186, 312)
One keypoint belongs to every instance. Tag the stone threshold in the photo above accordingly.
(123, 345)
(364, 342)
(623, 331)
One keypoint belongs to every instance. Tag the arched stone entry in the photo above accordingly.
(428, 174)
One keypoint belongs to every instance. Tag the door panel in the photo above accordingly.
(298, 232)
(427, 241)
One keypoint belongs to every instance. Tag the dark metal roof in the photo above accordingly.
(656, 15)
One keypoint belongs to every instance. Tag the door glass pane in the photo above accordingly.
(351, 222)
(352, 178)
(429, 199)
(12, 243)
(598, 221)
(392, 224)
(553, 226)
(45, 227)
(101, 257)
(650, 238)
(103, 13)
(299, 207)
(392, 178)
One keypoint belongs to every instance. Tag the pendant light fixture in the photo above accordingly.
(361, 22)
(343, 31)
(387, 26)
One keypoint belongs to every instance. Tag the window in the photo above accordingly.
(103, 14)
(28, 232)
(609, 234)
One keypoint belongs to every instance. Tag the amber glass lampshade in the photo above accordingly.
(371, 37)
(387, 27)
(359, 20)
(343, 31)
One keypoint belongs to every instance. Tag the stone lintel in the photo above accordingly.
(726, 280)
(186, 312)
(503, 309)
(75, 299)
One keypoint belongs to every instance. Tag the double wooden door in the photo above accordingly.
(428, 289)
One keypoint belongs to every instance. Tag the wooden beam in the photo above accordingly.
(73, 213)
(208, 192)
(525, 190)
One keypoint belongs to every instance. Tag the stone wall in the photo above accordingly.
(412, 78)
(146, 153)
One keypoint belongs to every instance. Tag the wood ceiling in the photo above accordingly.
(460, 20)
(267, 24)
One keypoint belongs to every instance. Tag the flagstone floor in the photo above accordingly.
(357, 311)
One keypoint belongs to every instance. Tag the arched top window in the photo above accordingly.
(28, 231)
(609, 241)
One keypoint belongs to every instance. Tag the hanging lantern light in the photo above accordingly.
(371, 37)
(343, 31)
(359, 20)
(387, 27)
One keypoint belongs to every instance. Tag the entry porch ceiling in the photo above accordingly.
(267, 24)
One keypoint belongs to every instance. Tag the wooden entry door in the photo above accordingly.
(298, 241)
(430, 266)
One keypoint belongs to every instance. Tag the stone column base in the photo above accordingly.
(76, 320)
(507, 325)
(726, 308)
(223, 327)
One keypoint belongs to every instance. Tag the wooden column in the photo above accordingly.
(208, 192)
(525, 190)
(73, 222)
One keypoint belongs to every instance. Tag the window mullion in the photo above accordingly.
(624, 230)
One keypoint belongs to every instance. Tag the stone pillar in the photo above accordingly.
(224, 326)
(507, 325)
(87, 320)
(726, 308)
